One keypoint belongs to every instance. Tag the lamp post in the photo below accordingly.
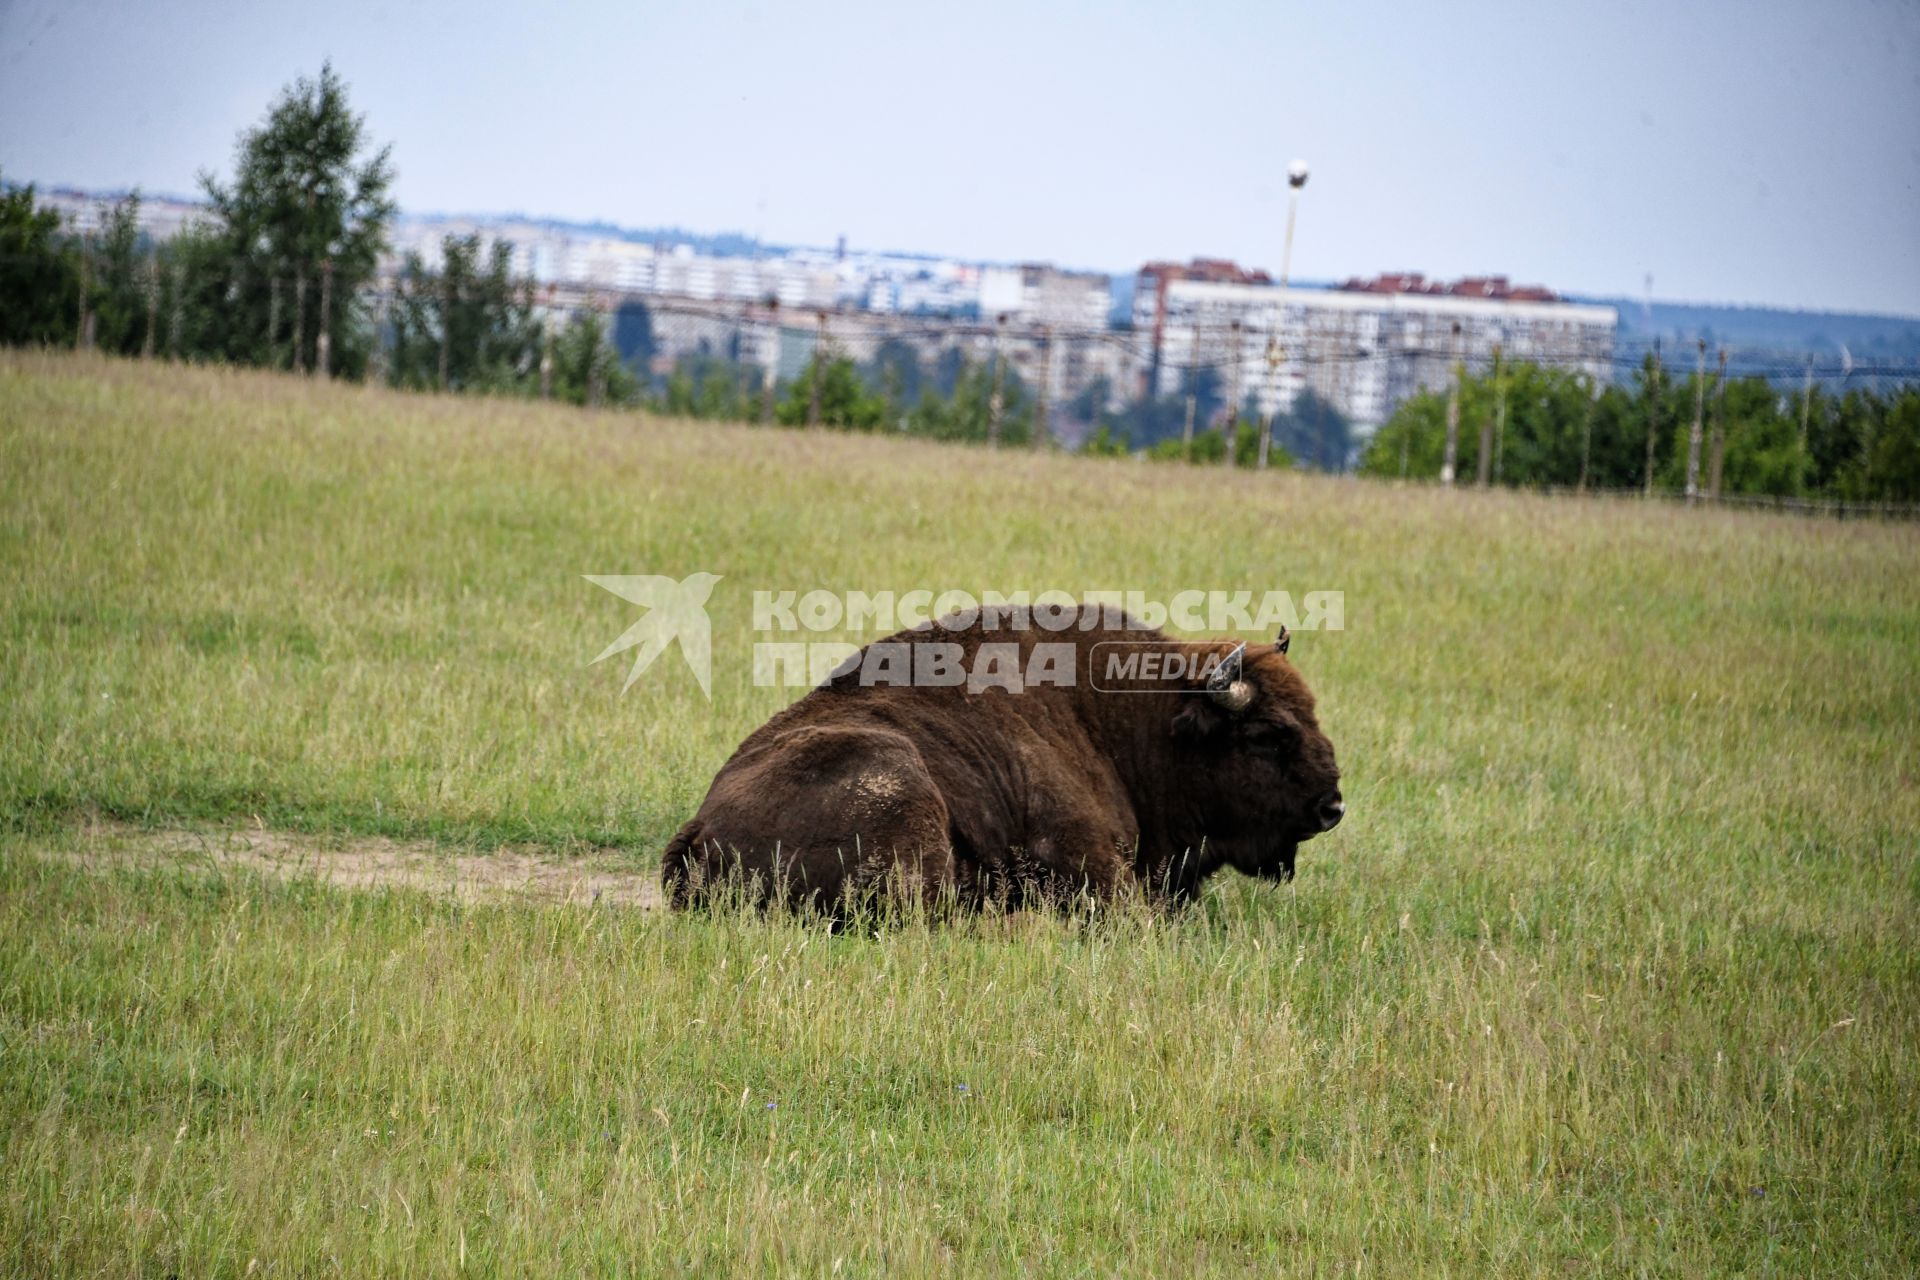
(1277, 353)
(1296, 179)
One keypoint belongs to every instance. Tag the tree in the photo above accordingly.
(706, 386)
(967, 413)
(39, 277)
(1893, 468)
(1210, 444)
(118, 275)
(1315, 432)
(1764, 453)
(844, 400)
(895, 370)
(468, 326)
(633, 335)
(1103, 443)
(587, 369)
(304, 221)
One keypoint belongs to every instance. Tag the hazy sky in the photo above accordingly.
(1765, 152)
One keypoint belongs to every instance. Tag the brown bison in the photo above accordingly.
(909, 772)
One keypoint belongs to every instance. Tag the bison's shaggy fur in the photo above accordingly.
(950, 795)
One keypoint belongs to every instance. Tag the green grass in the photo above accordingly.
(1612, 968)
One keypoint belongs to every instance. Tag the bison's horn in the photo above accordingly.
(1225, 685)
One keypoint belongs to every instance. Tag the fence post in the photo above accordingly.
(377, 357)
(83, 325)
(446, 325)
(1486, 428)
(1717, 454)
(1043, 410)
(1452, 456)
(1699, 416)
(299, 319)
(1586, 438)
(1275, 353)
(1499, 414)
(770, 364)
(1806, 402)
(323, 341)
(546, 352)
(179, 310)
(994, 400)
(596, 359)
(273, 320)
(1230, 429)
(769, 368)
(1653, 412)
(153, 302)
(814, 375)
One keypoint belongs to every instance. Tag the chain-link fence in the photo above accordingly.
(1266, 387)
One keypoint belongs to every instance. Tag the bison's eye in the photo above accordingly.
(1269, 738)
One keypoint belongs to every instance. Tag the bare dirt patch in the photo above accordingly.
(374, 863)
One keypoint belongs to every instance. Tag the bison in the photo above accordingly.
(1142, 777)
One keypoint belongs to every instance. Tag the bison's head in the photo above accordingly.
(1263, 774)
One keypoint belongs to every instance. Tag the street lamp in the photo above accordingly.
(1277, 354)
(1296, 179)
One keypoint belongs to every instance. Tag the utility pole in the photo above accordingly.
(323, 341)
(1718, 452)
(1486, 428)
(1653, 411)
(1699, 416)
(153, 302)
(1275, 353)
(1042, 426)
(819, 368)
(1453, 413)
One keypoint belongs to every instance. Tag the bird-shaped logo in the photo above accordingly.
(675, 611)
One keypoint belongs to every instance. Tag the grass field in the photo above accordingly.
(1614, 966)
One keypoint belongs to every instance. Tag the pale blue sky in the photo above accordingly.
(1766, 152)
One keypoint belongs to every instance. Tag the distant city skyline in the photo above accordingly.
(1765, 157)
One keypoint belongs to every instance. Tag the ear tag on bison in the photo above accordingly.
(1225, 685)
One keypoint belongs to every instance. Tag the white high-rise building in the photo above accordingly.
(1365, 347)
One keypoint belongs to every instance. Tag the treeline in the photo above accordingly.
(1526, 425)
(282, 273)
(950, 397)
